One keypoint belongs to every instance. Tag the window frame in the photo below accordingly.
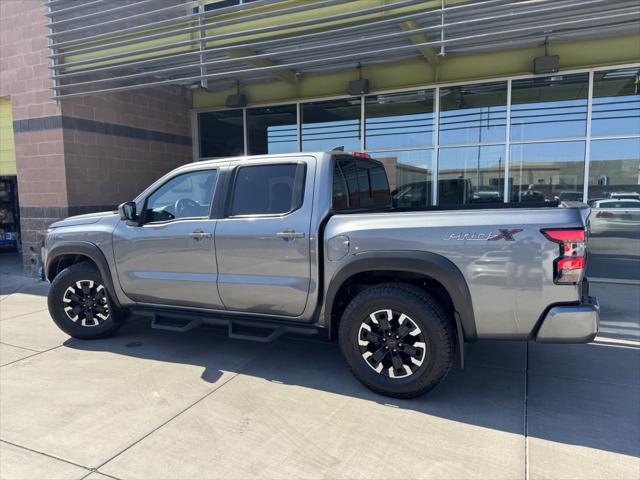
(143, 213)
(232, 190)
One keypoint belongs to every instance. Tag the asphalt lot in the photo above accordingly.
(160, 405)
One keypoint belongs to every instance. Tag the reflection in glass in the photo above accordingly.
(546, 171)
(614, 170)
(326, 125)
(614, 196)
(471, 175)
(272, 130)
(221, 133)
(550, 107)
(473, 113)
(616, 102)
(410, 174)
(399, 120)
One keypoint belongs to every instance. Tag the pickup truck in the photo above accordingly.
(311, 243)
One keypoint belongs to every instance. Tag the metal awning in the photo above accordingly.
(102, 46)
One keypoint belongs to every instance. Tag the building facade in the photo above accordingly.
(465, 102)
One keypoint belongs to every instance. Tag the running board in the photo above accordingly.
(256, 334)
(174, 324)
(264, 330)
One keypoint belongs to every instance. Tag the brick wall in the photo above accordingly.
(85, 153)
(40, 162)
(105, 169)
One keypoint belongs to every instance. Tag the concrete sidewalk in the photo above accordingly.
(156, 405)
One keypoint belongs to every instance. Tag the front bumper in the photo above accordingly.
(571, 323)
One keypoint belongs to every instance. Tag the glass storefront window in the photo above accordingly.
(221, 133)
(547, 171)
(410, 173)
(326, 125)
(616, 102)
(272, 130)
(614, 170)
(549, 107)
(471, 175)
(399, 120)
(471, 114)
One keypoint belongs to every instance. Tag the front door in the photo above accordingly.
(169, 258)
(262, 244)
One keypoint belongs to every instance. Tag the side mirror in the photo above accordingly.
(127, 211)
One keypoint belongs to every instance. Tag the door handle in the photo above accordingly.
(200, 235)
(290, 233)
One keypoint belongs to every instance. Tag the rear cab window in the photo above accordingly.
(359, 184)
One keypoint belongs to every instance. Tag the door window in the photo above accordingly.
(184, 196)
(360, 184)
(268, 189)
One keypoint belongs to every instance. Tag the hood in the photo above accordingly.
(82, 219)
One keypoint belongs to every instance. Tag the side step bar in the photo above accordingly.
(174, 324)
(258, 335)
(263, 330)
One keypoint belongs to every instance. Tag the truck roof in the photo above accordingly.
(250, 158)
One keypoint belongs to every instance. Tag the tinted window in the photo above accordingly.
(616, 102)
(268, 189)
(473, 113)
(471, 175)
(187, 195)
(409, 174)
(272, 129)
(549, 107)
(350, 174)
(221, 133)
(360, 184)
(614, 168)
(547, 171)
(326, 125)
(340, 192)
(399, 120)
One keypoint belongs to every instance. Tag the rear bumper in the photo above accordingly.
(571, 323)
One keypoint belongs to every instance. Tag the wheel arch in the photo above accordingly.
(435, 271)
(66, 254)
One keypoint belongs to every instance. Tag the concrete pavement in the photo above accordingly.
(158, 405)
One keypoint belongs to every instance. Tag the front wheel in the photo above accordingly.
(79, 303)
(397, 340)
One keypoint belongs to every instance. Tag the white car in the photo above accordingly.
(624, 196)
(617, 217)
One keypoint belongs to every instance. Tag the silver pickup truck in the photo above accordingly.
(311, 243)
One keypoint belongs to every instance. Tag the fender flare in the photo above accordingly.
(425, 263)
(89, 250)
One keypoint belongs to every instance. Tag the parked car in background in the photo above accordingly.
(615, 217)
(569, 197)
(624, 195)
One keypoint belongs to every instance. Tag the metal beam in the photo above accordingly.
(284, 74)
(429, 54)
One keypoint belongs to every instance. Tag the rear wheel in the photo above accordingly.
(397, 340)
(80, 305)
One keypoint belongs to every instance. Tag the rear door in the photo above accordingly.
(262, 243)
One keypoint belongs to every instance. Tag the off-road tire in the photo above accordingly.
(80, 272)
(425, 311)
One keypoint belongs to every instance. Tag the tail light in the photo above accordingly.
(570, 265)
(604, 215)
(360, 155)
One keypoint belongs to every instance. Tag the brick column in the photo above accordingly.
(81, 154)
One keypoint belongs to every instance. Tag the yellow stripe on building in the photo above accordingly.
(7, 143)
